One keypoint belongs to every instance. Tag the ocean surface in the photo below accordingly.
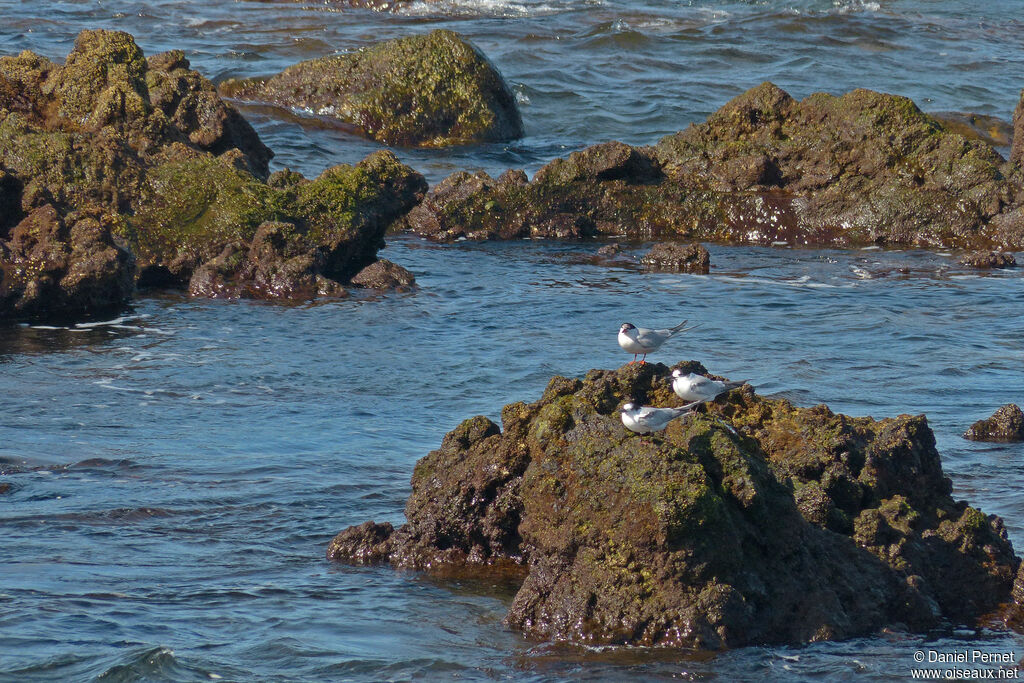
(170, 479)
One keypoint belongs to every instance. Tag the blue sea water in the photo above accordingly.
(176, 473)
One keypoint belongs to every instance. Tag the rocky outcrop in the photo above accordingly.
(1005, 425)
(429, 90)
(988, 259)
(1017, 151)
(753, 521)
(277, 239)
(179, 177)
(682, 258)
(863, 168)
(63, 266)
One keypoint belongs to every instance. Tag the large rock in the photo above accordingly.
(863, 168)
(54, 266)
(429, 90)
(755, 522)
(291, 238)
(183, 175)
(1005, 425)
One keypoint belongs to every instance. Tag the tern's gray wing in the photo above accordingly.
(652, 338)
(701, 382)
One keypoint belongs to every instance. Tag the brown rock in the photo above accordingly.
(755, 522)
(56, 266)
(988, 259)
(688, 258)
(1005, 425)
(383, 274)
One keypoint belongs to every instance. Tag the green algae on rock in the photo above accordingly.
(862, 168)
(429, 90)
(180, 177)
(755, 521)
(288, 238)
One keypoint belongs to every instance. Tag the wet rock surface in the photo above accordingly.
(1005, 425)
(430, 90)
(682, 258)
(988, 259)
(175, 175)
(63, 266)
(383, 274)
(863, 168)
(754, 521)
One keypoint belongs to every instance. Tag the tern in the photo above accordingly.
(694, 387)
(645, 419)
(637, 340)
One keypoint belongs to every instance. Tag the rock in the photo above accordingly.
(183, 178)
(383, 274)
(608, 250)
(753, 521)
(55, 266)
(1005, 425)
(689, 258)
(863, 168)
(989, 129)
(1017, 151)
(429, 90)
(988, 259)
(226, 234)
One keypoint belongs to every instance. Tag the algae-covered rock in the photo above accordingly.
(753, 521)
(862, 168)
(429, 90)
(289, 238)
(151, 140)
(683, 258)
(63, 266)
(1005, 425)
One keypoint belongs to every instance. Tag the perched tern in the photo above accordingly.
(645, 419)
(637, 340)
(693, 387)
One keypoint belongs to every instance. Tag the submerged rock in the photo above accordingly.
(430, 90)
(863, 168)
(754, 522)
(63, 266)
(988, 259)
(683, 258)
(1005, 425)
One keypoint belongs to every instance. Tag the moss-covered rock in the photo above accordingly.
(863, 168)
(288, 238)
(752, 521)
(63, 266)
(429, 90)
(151, 140)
